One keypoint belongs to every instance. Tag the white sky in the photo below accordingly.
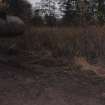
(33, 1)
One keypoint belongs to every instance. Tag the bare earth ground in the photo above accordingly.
(42, 85)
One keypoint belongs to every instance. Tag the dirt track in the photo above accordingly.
(40, 87)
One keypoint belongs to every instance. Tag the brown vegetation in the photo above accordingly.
(88, 41)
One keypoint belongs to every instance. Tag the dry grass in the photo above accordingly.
(88, 41)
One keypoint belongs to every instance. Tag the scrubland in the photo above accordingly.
(85, 41)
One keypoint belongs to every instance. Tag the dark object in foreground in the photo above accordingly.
(12, 26)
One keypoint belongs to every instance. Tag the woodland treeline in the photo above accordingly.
(69, 12)
(65, 12)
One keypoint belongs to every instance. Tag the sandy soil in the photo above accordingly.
(49, 86)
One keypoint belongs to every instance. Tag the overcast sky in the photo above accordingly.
(33, 1)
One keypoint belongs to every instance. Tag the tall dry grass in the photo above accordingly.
(88, 41)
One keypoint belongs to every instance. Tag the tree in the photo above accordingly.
(85, 11)
(101, 11)
(50, 20)
(97, 10)
(70, 11)
(49, 7)
(37, 18)
(46, 9)
(20, 8)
